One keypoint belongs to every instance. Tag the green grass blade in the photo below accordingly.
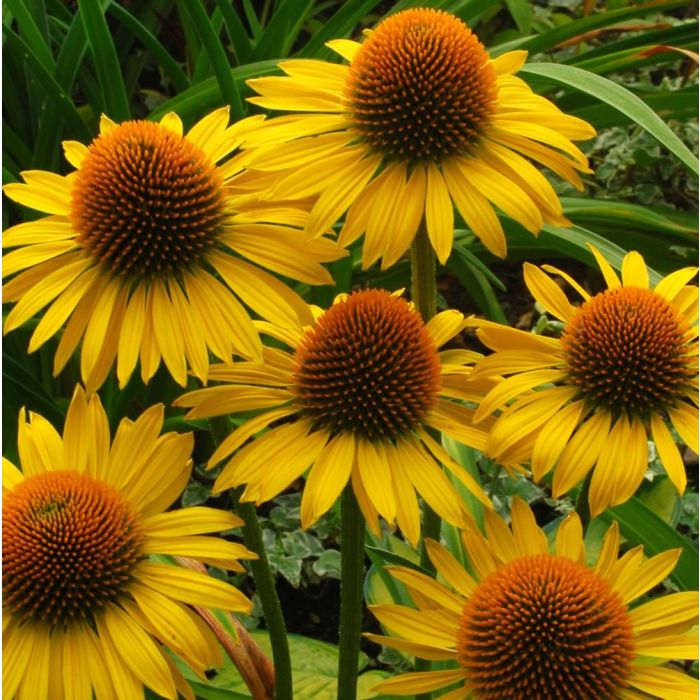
(165, 61)
(202, 67)
(680, 105)
(252, 18)
(237, 34)
(52, 89)
(282, 31)
(619, 98)
(106, 62)
(480, 289)
(552, 37)
(680, 35)
(521, 12)
(207, 95)
(217, 55)
(30, 32)
(340, 26)
(640, 525)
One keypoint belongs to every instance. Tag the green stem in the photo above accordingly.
(424, 294)
(352, 550)
(264, 581)
(582, 507)
(423, 287)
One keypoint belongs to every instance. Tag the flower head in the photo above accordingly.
(138, 240)
(527, 623)
(357, 395)
(421, 119)
(84, 605)
(624, 368)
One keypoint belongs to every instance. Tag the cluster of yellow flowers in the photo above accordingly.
(160, 245)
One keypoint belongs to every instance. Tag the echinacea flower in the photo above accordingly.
(526, 623)
(623, 371)
(141, 254)
(85, 605)
(359, 393)
(421, 119)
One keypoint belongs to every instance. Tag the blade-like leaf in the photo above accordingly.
(640, 525)
(618, 97)
(106, 61)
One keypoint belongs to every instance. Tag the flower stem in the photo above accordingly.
(352, 549)
(582, 506)
(264, 581)
(424, 294)
(423, 287)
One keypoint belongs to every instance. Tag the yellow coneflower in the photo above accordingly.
(529, 624)
(85, 606)
(358, 395)
(421, 118)
(138, 241)
(625, 367)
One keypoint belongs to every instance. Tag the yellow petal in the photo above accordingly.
(439, 217)
(570, 538)
(435, 591)
(634, 271)
(509, 62)
(407, 215)
(190, 521)
(513, 387)
(430, 481)
(407, 508)
(685, 421)
(168, 334)
(449, 568)
(418, 626)
(664, 683)
(475, 208)
(581, 453)
(668, 453)
(552, 440)
(445, 326)
(611, 278)
(419, 682)
(667, 610)
(529, 539)
(547, 292)
(327, 478)
(192, 587)
(423, 651)
(497, 188)
(138, 650)
(376, 478)
(621, 465)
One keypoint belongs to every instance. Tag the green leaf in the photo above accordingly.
(679, 105)
(521, 12)
(217, 55)
(618, 97)
(640, 525)
(207, 95)
(106, 61)
(339, 26)
(283, 29)
(552, 37)
(30, 32)
(165, 61)
(314, 671)
(555, 241)
(394, 559)
(53, 90)
(661, 496)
